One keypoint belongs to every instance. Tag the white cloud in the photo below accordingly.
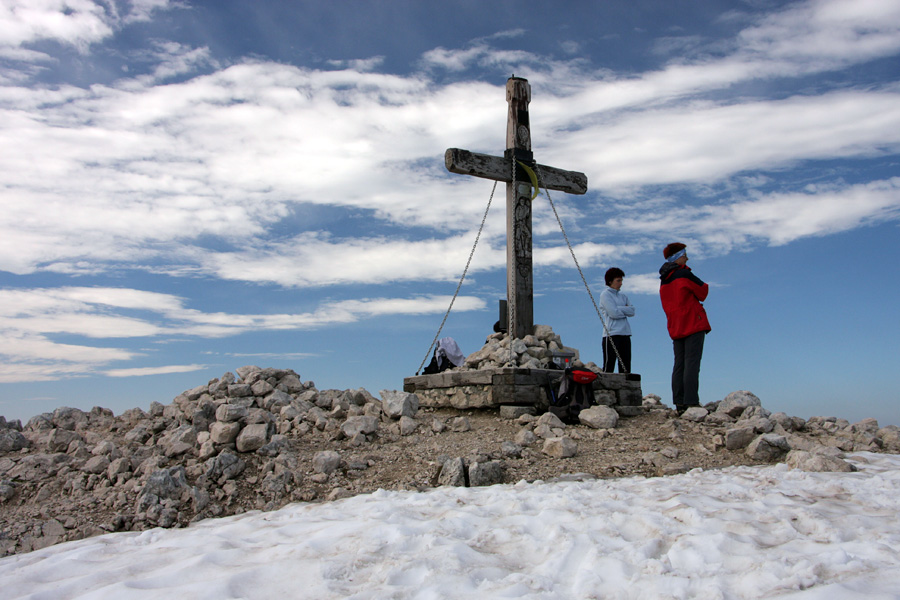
(827, 33)
(642, 283)
(705, 142)
(142, 175)
(777, 218)
(314, 260)
(29, 319)
(143, 372)
(75, 23)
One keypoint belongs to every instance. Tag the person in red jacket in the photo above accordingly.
(682, 294)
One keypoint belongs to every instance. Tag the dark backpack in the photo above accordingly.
(438, 364)
(569, 400)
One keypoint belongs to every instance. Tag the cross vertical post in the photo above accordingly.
(519, 260)
(509, 169)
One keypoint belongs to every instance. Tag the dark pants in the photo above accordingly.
(623, 345)
(686, 372)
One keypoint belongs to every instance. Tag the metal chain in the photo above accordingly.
(510, 303)
(461, 279)
(581, 273)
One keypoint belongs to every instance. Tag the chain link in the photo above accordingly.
(461, 279)
(510, 290)
(581, 273)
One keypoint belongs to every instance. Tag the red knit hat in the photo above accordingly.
(672, 249)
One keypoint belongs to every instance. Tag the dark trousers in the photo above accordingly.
(686, 372)
(623, 345)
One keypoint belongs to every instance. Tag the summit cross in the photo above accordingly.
(519, 264)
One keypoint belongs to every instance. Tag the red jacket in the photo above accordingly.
(681, 293)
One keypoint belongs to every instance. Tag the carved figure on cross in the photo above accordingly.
(509, 169)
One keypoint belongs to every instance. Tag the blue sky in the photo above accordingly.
(190, 187)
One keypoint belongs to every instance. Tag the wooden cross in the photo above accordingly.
(519, 279)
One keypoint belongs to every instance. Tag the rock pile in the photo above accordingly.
(814, 445)
(261, 438)
(180, 462)
(532, 352)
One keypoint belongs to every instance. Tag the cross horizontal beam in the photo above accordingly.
(498, 169)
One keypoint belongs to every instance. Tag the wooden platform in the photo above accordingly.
(491, 388)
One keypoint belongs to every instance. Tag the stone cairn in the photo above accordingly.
(531, 352)
(516, 374)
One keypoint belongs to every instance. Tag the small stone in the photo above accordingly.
(514, 412)
(460, 424)
(674, 469)
(339, 493)
(229, 413)
(599, 417)
(695, 414)
(511, 449)
(486, 473)
(399, 404)
(453, 473)
(354, 426)
(768, 447)
(97, 465)
(551, 420)
(739, 437)
(525, 437)
(560, 447)
(224, 432)
(736, 402)
(408, 425)
(326, 461)
(805, 461)
(252, 437)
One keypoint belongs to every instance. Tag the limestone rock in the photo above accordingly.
(514, 412)
(486, 473)
(224, 432)
(736, 402)
(460, 424)
(805, 461)
(354, 426)
(599, 417)
(695, 414)
(223, 467)
(551, 421)
(525, 437)
(326, 461)
(768, 447)
(453, 473)
(69, 418)
(560, 447)
(252, 437)
(59, 439)
(408, 425)
(753, 412)
(166, 483)
(399, 404)
(229, 413)
(239, 390)
(739, 437)
(12, 441)
(97, 464)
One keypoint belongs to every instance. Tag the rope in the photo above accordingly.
(461, 279)
(583, 279)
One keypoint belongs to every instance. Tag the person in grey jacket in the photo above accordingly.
(617, 332)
